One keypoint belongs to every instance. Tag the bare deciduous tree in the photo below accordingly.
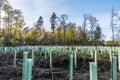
(63, 19)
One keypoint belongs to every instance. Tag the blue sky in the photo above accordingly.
(75, 9)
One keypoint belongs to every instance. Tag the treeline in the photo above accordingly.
(13, 31)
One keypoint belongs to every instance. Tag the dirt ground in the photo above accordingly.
(60, 71)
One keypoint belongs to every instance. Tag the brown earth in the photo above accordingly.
(60, 71)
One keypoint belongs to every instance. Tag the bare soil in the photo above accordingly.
(60, 71)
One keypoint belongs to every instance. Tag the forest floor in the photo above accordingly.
(60, 71)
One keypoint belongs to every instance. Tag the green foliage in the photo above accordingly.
(15, 33)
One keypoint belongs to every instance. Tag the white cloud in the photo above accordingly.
(32, 9)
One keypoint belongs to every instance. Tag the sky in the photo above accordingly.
(75, 9)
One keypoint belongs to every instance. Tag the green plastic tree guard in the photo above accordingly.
(24, 77)
(71, 67)
(60, 51)
(86, 51)
(114, 68)
(91, 52)
(104, 52)
(110, 55)
(50, 53)
(96, 57)
(15, 55)
(29, 69)
(45, 54)
(93, 71)
(113, 51)
(75, 59)
(33, 57)
(119, 60)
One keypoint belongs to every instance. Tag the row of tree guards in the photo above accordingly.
(29, 62)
